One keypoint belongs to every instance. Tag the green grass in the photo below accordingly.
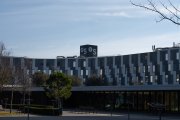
(7, 113)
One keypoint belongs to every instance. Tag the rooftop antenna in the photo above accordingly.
(153, 47)
(174, 45)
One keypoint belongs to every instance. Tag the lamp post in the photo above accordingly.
(6, 100)
(128, 102)
(28, 106)
(128, 111)
(29, 92)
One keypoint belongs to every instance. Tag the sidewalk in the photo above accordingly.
(79, 115)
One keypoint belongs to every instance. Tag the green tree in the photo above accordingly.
(94, 80)
(58, 86)
(39, 78)
(76, 81)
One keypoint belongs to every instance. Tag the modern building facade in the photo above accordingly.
(140, 79)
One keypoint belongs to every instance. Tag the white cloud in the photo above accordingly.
(113, 14)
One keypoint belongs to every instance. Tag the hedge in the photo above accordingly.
(37, 109)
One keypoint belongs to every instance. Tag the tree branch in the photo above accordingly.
(152, 7)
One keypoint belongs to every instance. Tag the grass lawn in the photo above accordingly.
(7, 113)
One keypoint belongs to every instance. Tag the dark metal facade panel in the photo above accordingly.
(39, 63)
(50, 64)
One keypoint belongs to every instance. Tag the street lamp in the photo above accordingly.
(5, 100)
(28, 105)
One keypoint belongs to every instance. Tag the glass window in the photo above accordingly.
(50, 72)
(156, 79)
(146, 78)
(166, 57)
(101, 72)
(154, 67)
(71, 72)
(81, 72)
(27, 72)
(169, 67)
(134, 69)
(149, 68)
(32, 71)
(84, 64)
(177, 78)
(139, 69)
(118, 71)
(137, 80)
(87, 72)
(166, 78)
(151, 79)
(74, 64)
(177, 55)
(144, 69)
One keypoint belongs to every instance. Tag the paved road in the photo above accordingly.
(83, 118)
(67, 115)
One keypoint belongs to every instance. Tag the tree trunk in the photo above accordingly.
(24, 98)
(60, 106)
(24, 101)
(12, 94)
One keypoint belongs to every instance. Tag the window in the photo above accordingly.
(134, 69)
(151, 79)
(177, 56)
(154, 68)
(32, 71)
(169, 67)
(146, 78)
(139, 69)
(50, 72)
(74, 64)
(84, 63)
(117, 71)
(81, 72)
(101, 72)
(149, 68)
(27, 72)
(71, 72)
(137, 80)
(166, 57)
(128, 80)
(177, 78)
(87, 72)
(166, 78)
(144, 69)
(156, 78)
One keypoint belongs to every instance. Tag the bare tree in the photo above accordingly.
(6, 70)
(76, 81)
(26, 79)
(5, 67)
(170, 12)
(39, 79)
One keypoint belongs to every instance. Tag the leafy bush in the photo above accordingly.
(42, 110)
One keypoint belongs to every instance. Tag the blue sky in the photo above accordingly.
(50, 28)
